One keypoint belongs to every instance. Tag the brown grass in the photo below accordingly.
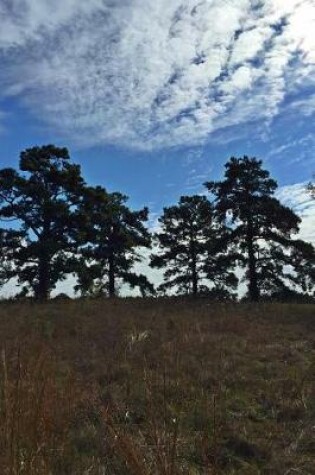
(164, 386)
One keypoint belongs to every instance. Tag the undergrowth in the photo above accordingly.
(164, 386)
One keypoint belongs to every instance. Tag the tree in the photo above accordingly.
(286, 270)
(113, 235)
(262, 228)
(189, 248)
(9, 241)
(39, 203)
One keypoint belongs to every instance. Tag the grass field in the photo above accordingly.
(157, 387)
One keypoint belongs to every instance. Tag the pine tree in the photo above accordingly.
(39, 206)
(110, 245)
(190, 249)
(262, 228)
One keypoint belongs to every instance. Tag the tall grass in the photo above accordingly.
(35, 410)
(156, 387)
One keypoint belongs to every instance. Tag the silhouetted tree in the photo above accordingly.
(262, 228)
(39, 205)
(189, 246)
(9, 241)
(286, 270)
(110, 245)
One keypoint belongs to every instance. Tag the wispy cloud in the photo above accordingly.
(305, 106)
(156, 73)
(298, 146)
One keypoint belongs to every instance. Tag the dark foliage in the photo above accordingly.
(262, 228)
(56, 225)
(192, 249)
(111, 235)
(40, 203)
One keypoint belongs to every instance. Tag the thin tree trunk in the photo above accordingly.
(252, 272)
(111, 276)
(194, 278)
(43, 288)
(194, 273)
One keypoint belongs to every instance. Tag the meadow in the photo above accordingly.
(156, 386)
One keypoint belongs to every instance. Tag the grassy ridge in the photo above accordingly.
(156, 387)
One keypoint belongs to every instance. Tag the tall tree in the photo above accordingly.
(261, 227)
(110, 244)
(189, 246)
(39, 206)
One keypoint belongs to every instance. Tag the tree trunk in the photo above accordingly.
(252, 272)
(194, 278)
(43, 288)
(194, 273)
(111, 276)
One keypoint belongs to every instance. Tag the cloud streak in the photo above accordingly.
(156, 73)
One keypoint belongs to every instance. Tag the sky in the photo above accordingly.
(152, 97)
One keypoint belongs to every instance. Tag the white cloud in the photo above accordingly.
(155, 73)
(304, 106)
(250, 43)
(23, 21)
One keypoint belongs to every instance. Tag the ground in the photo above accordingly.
(164, 386)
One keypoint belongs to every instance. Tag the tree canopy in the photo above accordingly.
(55, 224)
(112, 235)
(262, 228)
(39, 205)
(189, 249)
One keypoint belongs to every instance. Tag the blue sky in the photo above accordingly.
(152, 97)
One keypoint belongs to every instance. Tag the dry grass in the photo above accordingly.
(157, 387)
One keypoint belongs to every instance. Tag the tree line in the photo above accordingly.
(55, 224)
